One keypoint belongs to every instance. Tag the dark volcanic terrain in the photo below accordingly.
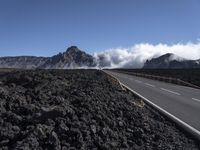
(79, 109)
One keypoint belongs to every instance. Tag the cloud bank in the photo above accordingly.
(135, 56)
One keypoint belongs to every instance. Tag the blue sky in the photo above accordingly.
(46, 27)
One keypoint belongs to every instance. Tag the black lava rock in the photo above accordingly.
(79, 109)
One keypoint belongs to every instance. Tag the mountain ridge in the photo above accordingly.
(171, 61)
(74, 58)
(71, 58)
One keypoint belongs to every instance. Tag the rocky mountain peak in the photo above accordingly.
(167, 55)
(73, 49)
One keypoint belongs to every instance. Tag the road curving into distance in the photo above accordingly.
(179, 101)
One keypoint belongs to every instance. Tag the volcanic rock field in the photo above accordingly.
(79, 109)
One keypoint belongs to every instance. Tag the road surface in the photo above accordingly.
(180, 101)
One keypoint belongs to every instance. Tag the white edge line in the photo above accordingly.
(181, 123)
(170, 91)
(177, 120)
(196, 99)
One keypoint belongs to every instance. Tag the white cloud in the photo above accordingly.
(136, 55)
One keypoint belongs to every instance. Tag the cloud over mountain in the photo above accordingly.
(135, 56)
(132, 57)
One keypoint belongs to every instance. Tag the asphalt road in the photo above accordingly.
(180, 101)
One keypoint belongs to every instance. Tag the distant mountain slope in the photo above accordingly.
(73, 57)
(171, 61)
(25, 62)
